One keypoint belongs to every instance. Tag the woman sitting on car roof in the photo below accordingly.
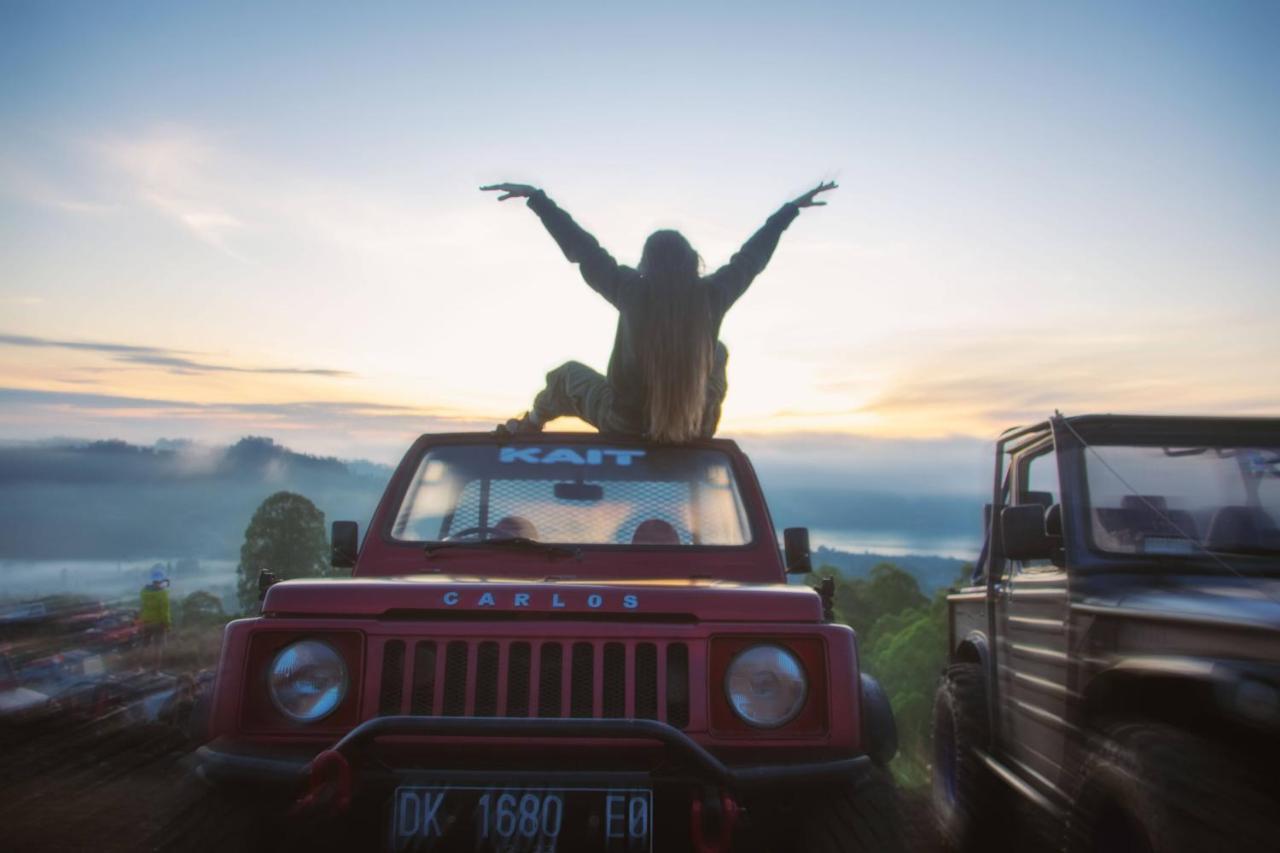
(666, 379)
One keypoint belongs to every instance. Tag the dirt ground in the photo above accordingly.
(109, 787)
(95, 786)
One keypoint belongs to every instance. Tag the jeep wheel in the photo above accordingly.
(964, 791)
(859, 817)
(1157, 789)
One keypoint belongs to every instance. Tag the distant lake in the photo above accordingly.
(893, 543)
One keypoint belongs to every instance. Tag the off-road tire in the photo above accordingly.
(966, 794)
(856, 817)
(1151, 787)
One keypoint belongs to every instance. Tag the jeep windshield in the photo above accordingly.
(1183, 501)
(567, 493)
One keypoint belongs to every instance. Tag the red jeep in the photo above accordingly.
(555, 643)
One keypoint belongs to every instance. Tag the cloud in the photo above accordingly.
(32, 341)
(37, 397)
(229, 200)
(26, 181)
(346, 428)
(41, 397)
(982, 387)
(316, 412)
(174, 361)
(185, 365)
(171, 170)
(176, 171)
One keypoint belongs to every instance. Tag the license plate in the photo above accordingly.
(477, 819)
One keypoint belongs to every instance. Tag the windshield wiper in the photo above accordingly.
(515, 543)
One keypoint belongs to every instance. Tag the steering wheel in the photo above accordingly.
(481, 532)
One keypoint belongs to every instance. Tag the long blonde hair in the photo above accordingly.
(674, 338)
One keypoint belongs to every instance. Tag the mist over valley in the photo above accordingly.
(94, 516)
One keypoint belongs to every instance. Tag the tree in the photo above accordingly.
(902, 642)
(907, 653)
(891, 589)
(861, 602)
(286, 536)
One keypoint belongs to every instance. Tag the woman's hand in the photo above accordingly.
(807, 200)
(513, 190)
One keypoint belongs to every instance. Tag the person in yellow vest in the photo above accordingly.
(154, 613)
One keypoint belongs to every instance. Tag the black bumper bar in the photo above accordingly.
(218, 764)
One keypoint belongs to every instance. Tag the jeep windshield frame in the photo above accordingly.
(748, 554)
(1112, 438)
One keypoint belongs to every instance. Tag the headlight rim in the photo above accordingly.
(804, 682)
(342, 695)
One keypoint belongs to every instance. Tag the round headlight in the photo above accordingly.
(766, 686)
(307, 681)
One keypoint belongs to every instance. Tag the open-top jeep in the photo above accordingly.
(559, 642)
(1115, 668)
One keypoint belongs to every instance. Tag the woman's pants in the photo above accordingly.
(575, 389)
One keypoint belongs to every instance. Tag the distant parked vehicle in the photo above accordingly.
(76, 679)
(63, 667)
(19, 704)
(118, 631)
(54, 620)
(1115, 665)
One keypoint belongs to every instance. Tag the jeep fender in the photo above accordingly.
(1183, 690)
(973, 649)
(879, 731)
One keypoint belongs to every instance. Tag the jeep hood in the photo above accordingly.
(459, 596)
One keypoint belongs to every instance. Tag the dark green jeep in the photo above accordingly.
(1115, 665)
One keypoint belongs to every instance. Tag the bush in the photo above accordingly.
(201, 608)
(901, 642)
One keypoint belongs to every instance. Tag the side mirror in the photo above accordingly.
(795, 549)
(266, 580)
(1022, 532)
(344, 544)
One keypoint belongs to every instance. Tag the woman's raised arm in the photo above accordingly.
(731, 280)
(598, 268)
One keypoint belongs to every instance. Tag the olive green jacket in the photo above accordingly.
(624, 287)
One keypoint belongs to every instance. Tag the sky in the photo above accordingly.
(220, 219)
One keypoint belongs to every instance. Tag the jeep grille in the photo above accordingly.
(518, 678)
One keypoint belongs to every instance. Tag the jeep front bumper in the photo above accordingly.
(685, 760)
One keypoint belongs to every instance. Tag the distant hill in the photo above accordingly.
(932, 573)
(109, 500)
